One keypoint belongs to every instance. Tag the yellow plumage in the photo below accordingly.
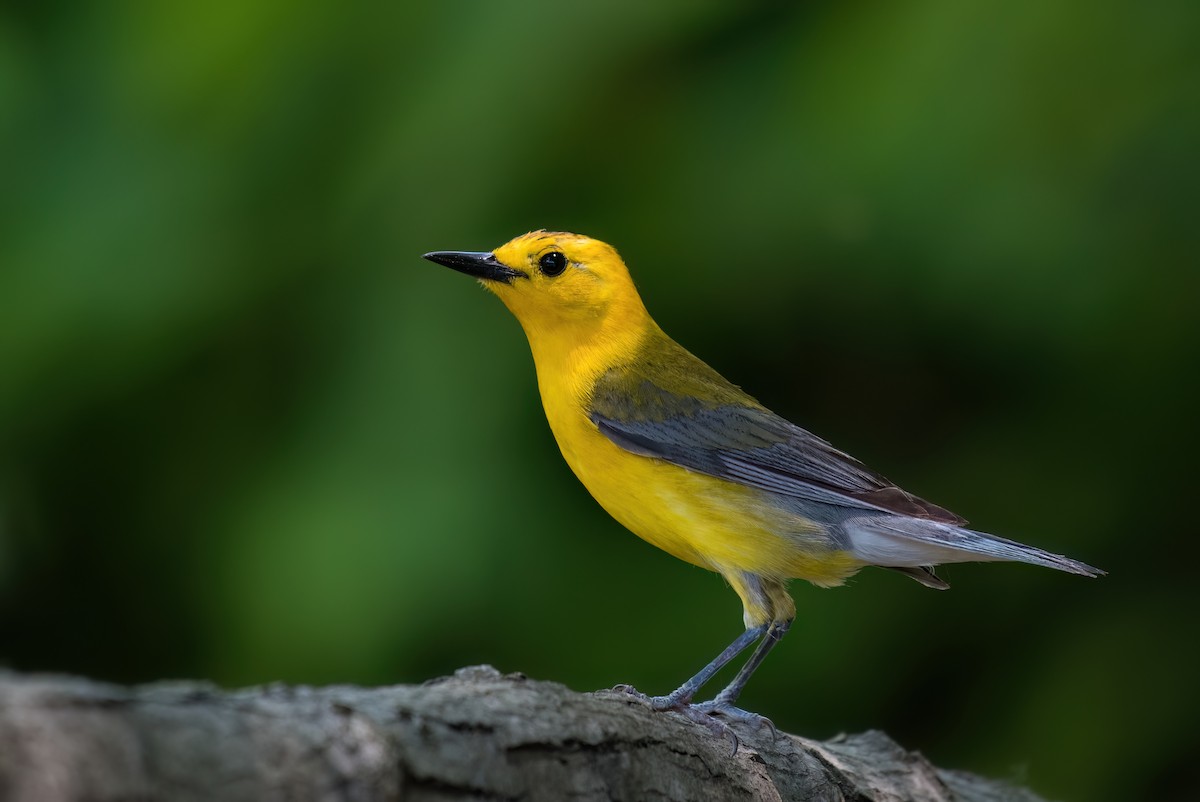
(698, 468)
(709, 522)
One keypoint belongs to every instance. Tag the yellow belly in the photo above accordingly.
(709, 522)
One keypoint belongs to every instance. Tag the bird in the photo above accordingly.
(693, 465)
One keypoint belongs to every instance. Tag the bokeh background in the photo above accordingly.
(247, 434)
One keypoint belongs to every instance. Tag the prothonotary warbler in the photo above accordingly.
(698, 468)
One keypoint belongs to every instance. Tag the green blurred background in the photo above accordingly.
(247, 434)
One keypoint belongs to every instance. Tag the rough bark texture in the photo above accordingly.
(476, 735)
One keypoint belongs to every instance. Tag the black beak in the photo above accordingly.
(479, 265)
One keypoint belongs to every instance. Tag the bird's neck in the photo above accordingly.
(576, 352)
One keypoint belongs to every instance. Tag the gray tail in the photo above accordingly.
(899, 542)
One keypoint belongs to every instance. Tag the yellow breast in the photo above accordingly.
(719, 525)
(703, 520)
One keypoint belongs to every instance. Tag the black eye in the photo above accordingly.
(552, 263)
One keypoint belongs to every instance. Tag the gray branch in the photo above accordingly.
(475, 735)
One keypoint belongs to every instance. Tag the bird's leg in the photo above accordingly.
(722, 703)
(682, 696)
(680, 699)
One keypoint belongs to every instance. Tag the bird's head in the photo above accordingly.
(553, 280)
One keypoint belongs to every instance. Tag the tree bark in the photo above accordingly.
(475, 735)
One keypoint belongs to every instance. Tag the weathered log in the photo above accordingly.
(475, 735)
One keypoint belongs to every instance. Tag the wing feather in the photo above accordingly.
(739, 440)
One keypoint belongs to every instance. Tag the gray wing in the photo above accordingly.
(748, 445)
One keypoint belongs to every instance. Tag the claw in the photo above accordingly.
(734, 742)
(718, 728)
(717, 707)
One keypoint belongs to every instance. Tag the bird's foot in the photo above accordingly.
(720, 707)
(699, 714)
(672, 701)
(707, 714)
(632, 691)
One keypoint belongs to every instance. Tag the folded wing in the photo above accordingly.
(738, 440)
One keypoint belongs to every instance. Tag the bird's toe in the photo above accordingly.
(726, 710)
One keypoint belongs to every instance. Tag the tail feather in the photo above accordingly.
(923, 574)
(900, 542)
